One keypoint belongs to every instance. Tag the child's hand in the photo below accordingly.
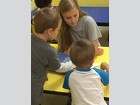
(100, 52)
(104, 66)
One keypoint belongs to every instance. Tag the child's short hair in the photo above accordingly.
(82, 52)
(46, 18)
(43, 3)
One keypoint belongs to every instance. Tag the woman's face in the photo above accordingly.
(71, 17)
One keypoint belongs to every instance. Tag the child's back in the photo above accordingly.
(85, 86)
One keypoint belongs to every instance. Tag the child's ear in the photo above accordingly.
(49, 31)
(91, 62)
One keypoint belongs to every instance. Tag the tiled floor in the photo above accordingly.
(50, 99)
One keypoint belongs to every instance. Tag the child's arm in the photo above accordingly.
(104, 76)
(104, 66)
(66, 67)
(66, 80)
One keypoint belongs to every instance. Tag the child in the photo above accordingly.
(76, 24)
(43, 3)
(44, 57)
(85, 82)
(40, 4)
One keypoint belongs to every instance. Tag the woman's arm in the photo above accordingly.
(98, 51)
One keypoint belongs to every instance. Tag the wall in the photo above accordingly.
(82, 3)
(88, 3)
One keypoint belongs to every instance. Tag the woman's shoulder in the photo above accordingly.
(87, 19)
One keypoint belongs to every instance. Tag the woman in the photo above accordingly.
(76, 25)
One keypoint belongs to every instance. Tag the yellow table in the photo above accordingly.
(55, 80)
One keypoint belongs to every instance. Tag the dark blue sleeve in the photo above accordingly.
(66, 80)
(104, 76)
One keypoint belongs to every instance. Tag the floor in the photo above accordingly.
(50, 99)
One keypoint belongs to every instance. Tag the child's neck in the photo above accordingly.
(85, 66)
(41, 36)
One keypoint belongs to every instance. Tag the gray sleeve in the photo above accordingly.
(91, 29)
(53, 62)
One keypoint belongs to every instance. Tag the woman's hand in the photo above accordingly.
(100, 51)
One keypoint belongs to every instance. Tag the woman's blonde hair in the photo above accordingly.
(64, 37)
